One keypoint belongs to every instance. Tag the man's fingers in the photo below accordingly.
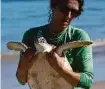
(29, 55)
(34, 57)
(55, 55)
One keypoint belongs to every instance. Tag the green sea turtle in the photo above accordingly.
(41, 75)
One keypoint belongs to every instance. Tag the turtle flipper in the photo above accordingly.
(72, 45)
(17, 46)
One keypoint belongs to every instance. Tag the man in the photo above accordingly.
(57, 32)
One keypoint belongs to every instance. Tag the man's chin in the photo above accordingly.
(64, 26)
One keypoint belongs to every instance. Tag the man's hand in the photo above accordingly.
(28, 57)
(58, 63)
(27, 60)
(62, 66)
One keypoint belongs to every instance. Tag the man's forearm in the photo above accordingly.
(21, 76)
(71, 77)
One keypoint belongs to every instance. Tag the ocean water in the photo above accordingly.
(17, 16)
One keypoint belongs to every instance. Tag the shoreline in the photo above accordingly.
(97, 43)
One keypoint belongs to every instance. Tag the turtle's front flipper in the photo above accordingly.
(72, 45)
(18, 46)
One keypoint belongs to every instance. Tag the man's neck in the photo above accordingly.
(55, 28)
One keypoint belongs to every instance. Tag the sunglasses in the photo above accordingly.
(65, 10)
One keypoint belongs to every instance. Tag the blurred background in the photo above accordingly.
(17, 16)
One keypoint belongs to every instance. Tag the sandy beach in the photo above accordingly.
(9, 62)
(98, 85)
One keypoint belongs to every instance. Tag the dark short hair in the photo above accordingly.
(54, 3)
